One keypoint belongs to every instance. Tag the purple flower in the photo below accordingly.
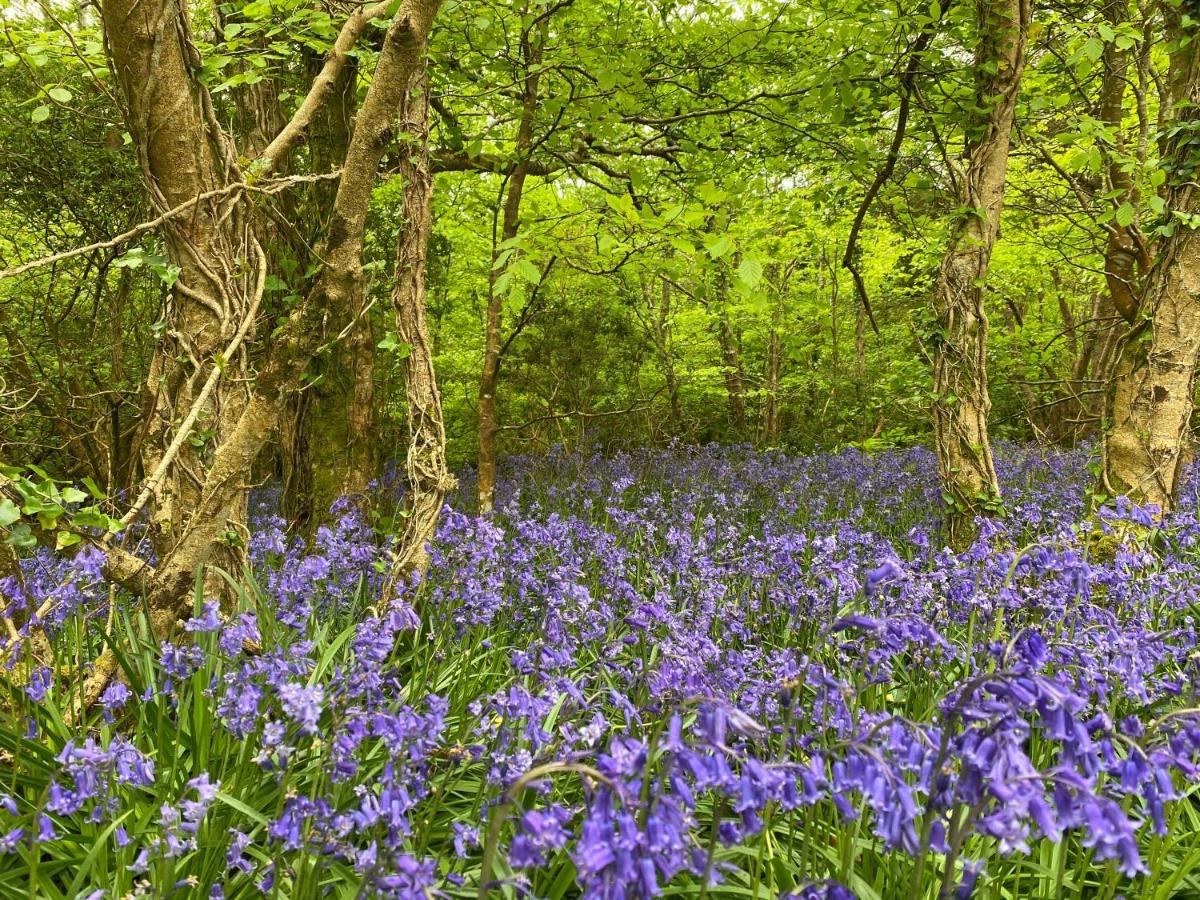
(302, 705)
(40, 682)
(114, 698)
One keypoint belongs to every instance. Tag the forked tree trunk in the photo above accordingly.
(425, 464)
(1150, 401)
(223, 482)
(961, 400)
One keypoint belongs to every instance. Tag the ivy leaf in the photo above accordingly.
(8, 512)
(73, 495)
(392, 344)
(90, 518)
(66, 539)
(21, 536)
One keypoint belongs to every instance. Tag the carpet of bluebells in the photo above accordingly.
(706, 672)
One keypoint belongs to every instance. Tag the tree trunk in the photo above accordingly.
(359, 466)
(732, 372)
(183, 153)
(769, 436)
(1150, 401)
(735, 383)
(666, 350)
(961, 402)
(1126, 255)
(297, 502)
(493, 339)
(333, 295)
(425, 465)
(770, 428)
(327, 447)
(1125, 252)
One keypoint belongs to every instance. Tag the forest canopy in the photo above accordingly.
(649, 222)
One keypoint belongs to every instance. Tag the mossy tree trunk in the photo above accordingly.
(961, 400)
(1151, 398)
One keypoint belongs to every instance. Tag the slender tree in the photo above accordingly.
(533, 42)
(425, 462)
(960, 382)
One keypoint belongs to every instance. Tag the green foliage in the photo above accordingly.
(716, 155)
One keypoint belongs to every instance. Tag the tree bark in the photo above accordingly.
(1125, 254)
(666, 352)
(327, 446)
(429, 480)
(961, 402)
(731, 358)
(333, 295)
(1150, 402)
(770, 428)
(774, 369)
(183, 153)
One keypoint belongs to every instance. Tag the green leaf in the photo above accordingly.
(1093, 48)
(93, 488)
(750, 272)
(718, 247)
(1125, 213)
(73, 495)
(528, 270)
(60, 94)
(41, 114)
(91, 517)
(21, 536)
(392, 344)
(8, 513)
(66, 539)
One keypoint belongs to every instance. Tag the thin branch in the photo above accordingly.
(889, 166)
